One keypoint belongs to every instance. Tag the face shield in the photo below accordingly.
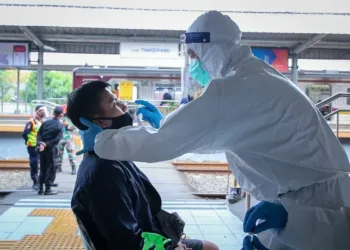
(41, 112)
(193, 76)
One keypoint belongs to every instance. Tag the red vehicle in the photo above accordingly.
(317, 85)
(142, 75)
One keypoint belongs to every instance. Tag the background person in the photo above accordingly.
(49, 135)
(67, 143)
(29, 135)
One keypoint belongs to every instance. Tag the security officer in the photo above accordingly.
(30, 135)
(49, 135)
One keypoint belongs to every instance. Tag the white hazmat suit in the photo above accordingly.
(278, 145)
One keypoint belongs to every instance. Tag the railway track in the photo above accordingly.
(209, 168)
(202, 167)
(14, 165)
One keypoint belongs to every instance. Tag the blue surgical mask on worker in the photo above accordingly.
(119, 121)
(198, 73)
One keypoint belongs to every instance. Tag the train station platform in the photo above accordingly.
(29, 221)
(49, 224)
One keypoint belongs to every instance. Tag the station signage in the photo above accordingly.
(14, 55)
(126, 91)
(277, 58)
(149, 50)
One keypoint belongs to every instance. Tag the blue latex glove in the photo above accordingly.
(248, 244)
(150, 113)
(275, 216)
(89, 135)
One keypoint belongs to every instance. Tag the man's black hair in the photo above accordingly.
(38, 107)
(85, 101)
(58, 111)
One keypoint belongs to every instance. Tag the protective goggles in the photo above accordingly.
(195, 37)
(191, 38)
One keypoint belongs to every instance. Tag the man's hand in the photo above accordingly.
(42, 146)
(181, 246)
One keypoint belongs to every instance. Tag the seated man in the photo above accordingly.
(113, 201)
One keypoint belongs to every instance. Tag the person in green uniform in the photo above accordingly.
(67, 142)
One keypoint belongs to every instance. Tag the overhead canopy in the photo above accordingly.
(168, 19)
(99, 30)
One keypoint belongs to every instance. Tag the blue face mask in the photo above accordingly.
(199, 74)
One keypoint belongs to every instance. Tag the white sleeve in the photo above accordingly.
(189, 128)
(316, 228)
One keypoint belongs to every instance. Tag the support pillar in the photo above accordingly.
(17, 111)
(185, 78)
(295, 68)
(40, 74)
(2, 99)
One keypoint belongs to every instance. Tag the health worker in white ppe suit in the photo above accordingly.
(278, 145)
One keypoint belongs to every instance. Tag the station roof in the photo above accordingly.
(168, 19)
(100, 29)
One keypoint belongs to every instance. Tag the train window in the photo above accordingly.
(348, 99)
(86, 80)
(317, 92)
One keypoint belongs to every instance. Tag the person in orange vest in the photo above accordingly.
(116, 90)
(30, 137)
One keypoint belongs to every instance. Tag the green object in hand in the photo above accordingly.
(153, 239)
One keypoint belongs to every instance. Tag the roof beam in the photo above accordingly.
(313, 40)
(35, 39)
(108, 39)
(329, 49)
(56, 38)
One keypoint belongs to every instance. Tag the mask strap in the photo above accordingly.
(103, 118)
(107, 118)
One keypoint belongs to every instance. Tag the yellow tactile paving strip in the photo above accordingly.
(48, 242)
(52, 212)
(60, 234)
(7, 244)
(63, 223)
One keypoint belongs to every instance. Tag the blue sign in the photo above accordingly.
(266, 55)
(278, 58)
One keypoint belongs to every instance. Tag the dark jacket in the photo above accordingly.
(50, 132)
(114, 202)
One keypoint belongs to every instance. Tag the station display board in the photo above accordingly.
(149, 50)
(126, 90)
(14, 54)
